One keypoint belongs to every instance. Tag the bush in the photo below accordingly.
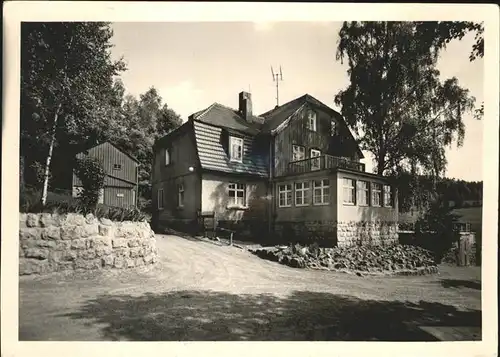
(92, 174)
(435, 230)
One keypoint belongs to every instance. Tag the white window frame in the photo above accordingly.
(366, 190)
(311, 120)
(159, 199)
(302, 191)
(324, 189)
(349, 191)
(315, 163)
(167, 156)
(300, 150)
(376, 192)
(285, 191)
(180, 195)
(388, 192)
(233, 156)
(235, 188)
(333, 128)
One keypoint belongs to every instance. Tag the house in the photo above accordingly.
(294, 171)
(121, 181)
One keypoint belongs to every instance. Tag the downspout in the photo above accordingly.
(270, 188)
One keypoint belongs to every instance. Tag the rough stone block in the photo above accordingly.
(119, 243)
(52, 233)
(65, 265)
(106, 230)
(46, 220)
(70, 232)
(98, 241)
(88, 264)
(102, 251)
(36, 253)
(63, 256)
(139, 262)
(107, 261)
(63, 245)
(91, 219)
(106, 222)
(32, 220)
(129, 263)
(136, 252)
(134, 242)
(22, 220)
(148, 259)
(90, 230)
(121, 252)
(79, 244)
(29, 233)
(119, 262)
(73, 219)
(87, 254)
(46, 244)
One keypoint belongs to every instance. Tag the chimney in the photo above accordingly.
(245, 106)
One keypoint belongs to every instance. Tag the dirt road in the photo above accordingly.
(200, 291)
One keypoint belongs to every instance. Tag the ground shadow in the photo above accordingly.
(456, 283)
(304, 315)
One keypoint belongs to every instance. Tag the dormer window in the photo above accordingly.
(235, 149)
(311, 120)
(333, 128)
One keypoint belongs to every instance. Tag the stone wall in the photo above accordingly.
(331, 233)
(52, 242)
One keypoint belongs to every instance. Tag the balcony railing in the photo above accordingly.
(323, 162)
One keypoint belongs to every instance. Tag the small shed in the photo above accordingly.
(121, 181)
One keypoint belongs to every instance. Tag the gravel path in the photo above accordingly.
(203, 291)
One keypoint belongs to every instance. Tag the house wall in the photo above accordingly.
(168, 177)
(251, 221)
(119, 196)
(296, 133)
(365, 224)
(304, 223)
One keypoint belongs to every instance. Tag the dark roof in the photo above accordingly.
(220, 115)
(108, 143)
(213, 156)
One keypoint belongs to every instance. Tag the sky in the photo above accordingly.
(193, 65)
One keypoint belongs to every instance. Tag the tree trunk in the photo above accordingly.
(381, 163)
(49, 157)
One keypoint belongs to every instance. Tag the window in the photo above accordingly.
(376, 194)
(180, 190)
(349, 191)
(160, 198)
(167, 157)
(302, 193)
(285, 195)
(387, 196)
(311, 120)
(333, 128)
(117, 167)
(363, 193)
(321, 190)
(315, 163)
(298, 153)
(237, 194)
(235, 149)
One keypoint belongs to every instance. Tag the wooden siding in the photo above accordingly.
(108, 155)
(212, 146)
(112, 196)
(296, 133)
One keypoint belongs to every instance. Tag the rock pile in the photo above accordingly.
(393, 259)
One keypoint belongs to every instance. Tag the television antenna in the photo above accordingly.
(277, 77)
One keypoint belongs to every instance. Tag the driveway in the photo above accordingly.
(201, 291)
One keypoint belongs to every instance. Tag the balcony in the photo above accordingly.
(322, 163)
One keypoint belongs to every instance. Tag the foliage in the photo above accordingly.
(38, 170)
(66, 87)
(91, 174)
(436, 229)
(396, 103)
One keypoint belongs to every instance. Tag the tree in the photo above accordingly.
(66, 86)
(396, 103)
(92, 174)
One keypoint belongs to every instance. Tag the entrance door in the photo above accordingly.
(315, 163)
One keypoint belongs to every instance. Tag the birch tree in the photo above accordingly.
(66, 85)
